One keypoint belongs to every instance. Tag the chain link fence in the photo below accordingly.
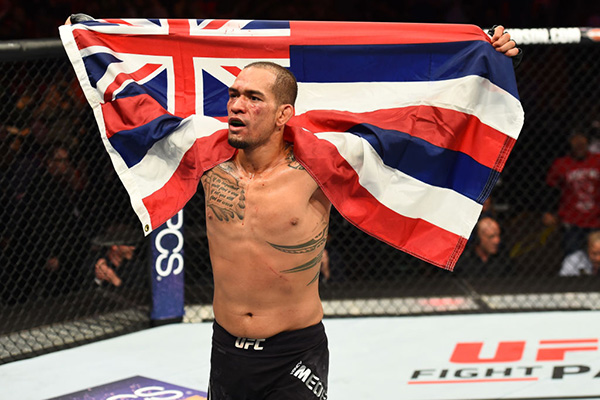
(67, 222)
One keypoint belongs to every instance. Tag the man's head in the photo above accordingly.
(120, 252)
(488, 236)
(58, 162)
(593, 249)
(261, 102)
(579, 144)
(285, 87)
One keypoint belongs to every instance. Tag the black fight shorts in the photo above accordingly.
(290, 365)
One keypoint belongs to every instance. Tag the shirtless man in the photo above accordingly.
(267, 225)
(266, 242)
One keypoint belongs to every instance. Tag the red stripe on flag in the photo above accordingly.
(136, 76)
(235, 71)
(356, 33)
(437, 126)
(339, 182)
(205, 153)
(216, 24)
(117, 21)
(130, 112)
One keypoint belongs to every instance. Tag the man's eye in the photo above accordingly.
(254, 98)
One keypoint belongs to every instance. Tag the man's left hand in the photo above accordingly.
(502, 41)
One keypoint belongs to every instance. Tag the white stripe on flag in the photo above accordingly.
(401, 192)
(471, 95)
(161, 161)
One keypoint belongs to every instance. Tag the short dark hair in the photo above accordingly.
(285, 87)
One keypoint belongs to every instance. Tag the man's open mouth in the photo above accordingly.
(235, 122)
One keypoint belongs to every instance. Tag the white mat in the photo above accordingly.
(551, 355)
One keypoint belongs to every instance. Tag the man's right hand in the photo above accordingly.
(77, 18)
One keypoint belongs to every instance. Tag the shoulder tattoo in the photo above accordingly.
(291, 159)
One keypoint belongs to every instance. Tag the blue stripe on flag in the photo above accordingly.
(132, 145)
(257, 24)
(96, 65)
(426, 162)
(215, 96)
(401, 63)
(156, 88)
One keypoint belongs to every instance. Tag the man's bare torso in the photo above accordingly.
(266, 235)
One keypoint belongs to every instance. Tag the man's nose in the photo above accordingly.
(237, 104)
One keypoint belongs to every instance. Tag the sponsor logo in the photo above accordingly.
(546, 35)
(311, 381)
(514, 361)
(247, 343)
(138, 388)
(168, 242)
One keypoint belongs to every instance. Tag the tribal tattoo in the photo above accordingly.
(315, 262)
(224, 195)
(306, 247)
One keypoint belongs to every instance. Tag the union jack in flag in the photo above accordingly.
(405, 127)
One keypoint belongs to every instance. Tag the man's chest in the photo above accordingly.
(277, 206)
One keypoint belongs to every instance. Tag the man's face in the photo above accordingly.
(594, 254)
(58, 164)
(489, 237)
(579, 146)
(252, 108)
(126, 251)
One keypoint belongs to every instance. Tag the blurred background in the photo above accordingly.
(63, 209)
(40, 18)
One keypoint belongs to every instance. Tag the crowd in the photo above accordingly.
(59, 192)
(57, 187)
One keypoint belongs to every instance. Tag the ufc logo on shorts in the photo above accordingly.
(247, 343)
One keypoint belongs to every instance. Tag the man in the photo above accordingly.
(107, 268)
(267, 225)
(485, 256)
(584, 262)
(113, 252)
(577, 177)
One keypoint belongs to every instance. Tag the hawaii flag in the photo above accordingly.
(405, 127)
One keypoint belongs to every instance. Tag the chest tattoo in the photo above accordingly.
(225, 197)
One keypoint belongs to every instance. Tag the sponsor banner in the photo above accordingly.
(555, 35)
(167, 270)
(137, 387)
(509, 356)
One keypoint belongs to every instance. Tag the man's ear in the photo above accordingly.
(285, 113)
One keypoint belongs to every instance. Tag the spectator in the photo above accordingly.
(584, 262)
(113, 254)
(576, 176)
(595, 137)
(46, 229)
(484, 256)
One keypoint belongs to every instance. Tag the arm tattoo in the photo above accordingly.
(291, 160)
(305, 247)
(224, 195)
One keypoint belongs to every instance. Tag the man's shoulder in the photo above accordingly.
(575, 264)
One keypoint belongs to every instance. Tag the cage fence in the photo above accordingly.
(64, 210)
